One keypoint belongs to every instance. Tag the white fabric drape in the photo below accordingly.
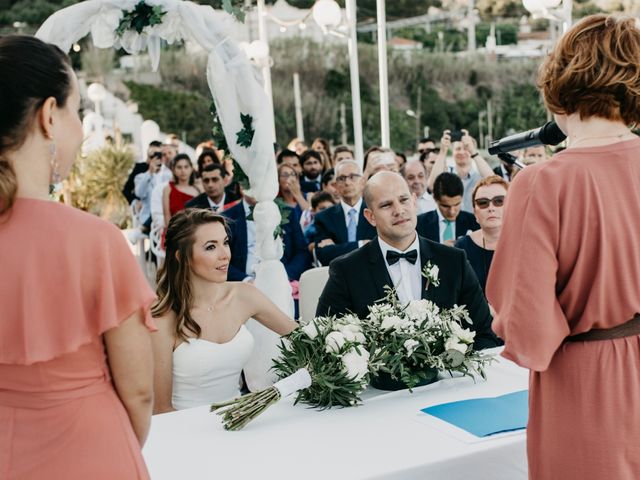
(235, 89)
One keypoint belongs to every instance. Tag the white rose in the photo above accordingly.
(463, 334)
(311, 330)
(334, 342)
(453, 344)
(417, 309)
(356, 363)
(434, 271)
(411, 346)
(391, 322)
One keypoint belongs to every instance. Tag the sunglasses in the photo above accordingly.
(428, 150)
(483, 203)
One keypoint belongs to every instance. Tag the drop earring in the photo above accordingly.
(54, 176)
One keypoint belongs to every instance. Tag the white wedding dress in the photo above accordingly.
(206, 372)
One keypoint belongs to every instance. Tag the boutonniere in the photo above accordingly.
(430, 272)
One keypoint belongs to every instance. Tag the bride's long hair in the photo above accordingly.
(173, 289)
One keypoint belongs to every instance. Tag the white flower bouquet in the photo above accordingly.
(333, 350)
(325, 362)
(409, 344)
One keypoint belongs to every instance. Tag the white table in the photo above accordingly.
(382, 439)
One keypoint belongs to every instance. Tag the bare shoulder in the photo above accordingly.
(243, 291)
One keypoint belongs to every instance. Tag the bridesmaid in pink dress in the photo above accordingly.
(76, 365)
(565, 280)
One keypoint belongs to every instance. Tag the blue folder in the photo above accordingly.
(485, 416)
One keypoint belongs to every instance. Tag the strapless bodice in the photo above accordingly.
(205, 372)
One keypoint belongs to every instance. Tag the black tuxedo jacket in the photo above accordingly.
(357, 280)
(296, 258)
(201, 201)
(428, 225)
(330, 223)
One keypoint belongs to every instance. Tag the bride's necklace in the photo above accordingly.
(618, 137)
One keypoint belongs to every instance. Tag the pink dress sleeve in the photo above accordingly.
(522, 282)
(67, 277)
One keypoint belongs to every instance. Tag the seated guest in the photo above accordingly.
(329, 184)
(321, 146)
(505, 170)
(179, 191)
(311, 178)
(415, 174)
(242, 233)
(447, 222)
(290, 190)
(319, 201)
(291, 158)
(401, 159)
(297, 145)
(342, 152)
(396, 259)
(488, 201)
(214, 196)
(342, 228)
(465, 154)
(378, 159)
(202, 344)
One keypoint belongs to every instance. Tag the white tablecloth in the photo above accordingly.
(382, 439)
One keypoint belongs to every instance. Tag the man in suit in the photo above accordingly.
(396, 259)
(311, 179)
(447, 222)
(343, 228)
(242, 242)
(214, 196)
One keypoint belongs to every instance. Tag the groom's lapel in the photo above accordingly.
(378, 268)
(426, 254)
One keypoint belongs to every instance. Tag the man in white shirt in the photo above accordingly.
(396, 259)
(415, 174)
(146, 181)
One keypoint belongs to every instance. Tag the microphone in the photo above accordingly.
(548, 134)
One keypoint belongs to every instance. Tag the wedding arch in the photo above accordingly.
(241, 104)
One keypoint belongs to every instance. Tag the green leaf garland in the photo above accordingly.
(142, 15)
(245, 136)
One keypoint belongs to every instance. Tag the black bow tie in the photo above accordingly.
(394, 257)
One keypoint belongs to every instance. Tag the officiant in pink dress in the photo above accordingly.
(565, 280)
(76, 365)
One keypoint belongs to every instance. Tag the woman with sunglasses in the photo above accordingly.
(488, 199)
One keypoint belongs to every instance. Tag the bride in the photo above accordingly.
(202, 344)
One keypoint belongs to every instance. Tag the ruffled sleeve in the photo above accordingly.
(522, 281)
(67, 277)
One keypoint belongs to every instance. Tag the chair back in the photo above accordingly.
(311, 285)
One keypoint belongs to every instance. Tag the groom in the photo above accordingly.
(396, 258)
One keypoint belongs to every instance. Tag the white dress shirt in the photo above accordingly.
(217, 207)
(426, 203)
(346, 208)
(406, 278)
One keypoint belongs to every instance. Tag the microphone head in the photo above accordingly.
(550, 134)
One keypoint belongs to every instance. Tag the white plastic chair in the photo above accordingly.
(311, 285)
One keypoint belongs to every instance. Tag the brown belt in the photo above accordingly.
(627, 329)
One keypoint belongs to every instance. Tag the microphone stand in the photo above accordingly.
(511, 159)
